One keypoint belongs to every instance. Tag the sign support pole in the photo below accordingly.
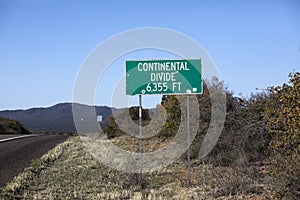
(141, 142)
(188, 132)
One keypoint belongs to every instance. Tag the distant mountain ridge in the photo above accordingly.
(55, 118)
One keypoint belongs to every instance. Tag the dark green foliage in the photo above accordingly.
(11, 126)
(134, 113)
(112, 130)
(171, 104)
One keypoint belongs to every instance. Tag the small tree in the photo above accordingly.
(172, 106)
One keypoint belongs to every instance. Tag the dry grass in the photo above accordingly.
(70, 172)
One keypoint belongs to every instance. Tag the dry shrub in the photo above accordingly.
(234, 181)
(134, 180)
(285, 172)
(283, 124)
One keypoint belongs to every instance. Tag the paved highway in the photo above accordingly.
(17, 154)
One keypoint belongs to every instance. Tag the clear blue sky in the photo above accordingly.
(255, 44)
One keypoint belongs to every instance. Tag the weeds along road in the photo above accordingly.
(17, 154)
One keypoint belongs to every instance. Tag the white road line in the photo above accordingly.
(18, 137)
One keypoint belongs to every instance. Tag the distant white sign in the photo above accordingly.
(99, 118)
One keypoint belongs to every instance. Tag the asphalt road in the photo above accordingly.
(17, 154)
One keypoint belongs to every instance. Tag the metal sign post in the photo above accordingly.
(188, 133)
(141, 141)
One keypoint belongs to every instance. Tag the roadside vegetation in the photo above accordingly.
(69, 172)
(9, 126)
(256, 157)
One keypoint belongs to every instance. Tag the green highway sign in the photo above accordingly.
(164, 77)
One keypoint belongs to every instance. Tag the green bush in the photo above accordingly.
(172, 106)
(12, 126)
(112, 130)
